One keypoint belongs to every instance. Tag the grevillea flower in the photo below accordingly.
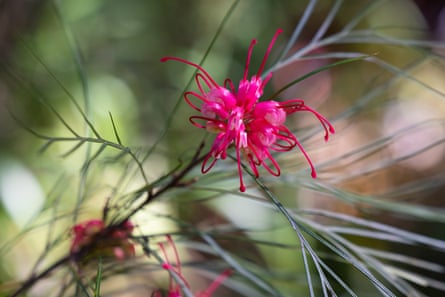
(239, 119)
(102, 242)
(174, 289)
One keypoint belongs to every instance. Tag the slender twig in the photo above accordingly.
(176, 181)
(33, 279)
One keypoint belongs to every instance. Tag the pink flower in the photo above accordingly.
(84, 232)
(238, 118)
(101, 241)
(174, 288)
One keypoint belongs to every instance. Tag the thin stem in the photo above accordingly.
(178, 102)
(328, 21)
(299, 28)
(174, 182)
(32, 280)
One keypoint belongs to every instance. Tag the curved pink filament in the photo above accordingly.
(274, 163)
(173, 290)
(292, 105)
(286, 136)
(253, 165)
(324, 122)
(164, 59)
(249, 55)
(261, 162)
(215, 284)
(199, 96)
(327, 126)
(228, 84)
(295, 105)
(238, 158)
(266, 80)
(175, 251)
(204, 162)
(198, 78)
(198, 125)
(242, 187)
(313, 172)
(263, 63)
(167, 266)
(189, 101)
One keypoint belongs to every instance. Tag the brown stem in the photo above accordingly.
(174, 182)
(32, 280)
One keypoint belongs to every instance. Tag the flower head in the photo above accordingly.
(240, 120)
(174, 288)
(102, 242)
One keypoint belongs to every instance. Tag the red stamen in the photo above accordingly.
(249, 55)
(325, 123)
(204, 163)
(287, 140)
(263, 63)
(167, 266)
(199, 76)
(228, 84)
(253, 166)
(292, 105)
(266, 79)
(173, 290)
(165, 59)
(242, 187)
(189, 101)
(232, 113)
(313, 172)
(196, 124)
(216, 283)
(175, 251)
(274, 163)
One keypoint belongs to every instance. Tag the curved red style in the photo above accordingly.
(238, 118)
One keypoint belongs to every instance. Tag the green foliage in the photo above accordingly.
(108, 122)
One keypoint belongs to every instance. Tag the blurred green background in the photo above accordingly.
(118, 71)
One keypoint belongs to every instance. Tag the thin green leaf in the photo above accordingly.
(318, 70)
(333, 245)
(88, 162)
(184, 288)
(98, 278)
(78, 62)
(415, 210)
(261, 283)
(73, 149)
(404, 259)
(367, 9)
(118, 139)
(327, 21)
(410, 236)
(35, 93)
(299, 28)
(169, 121)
